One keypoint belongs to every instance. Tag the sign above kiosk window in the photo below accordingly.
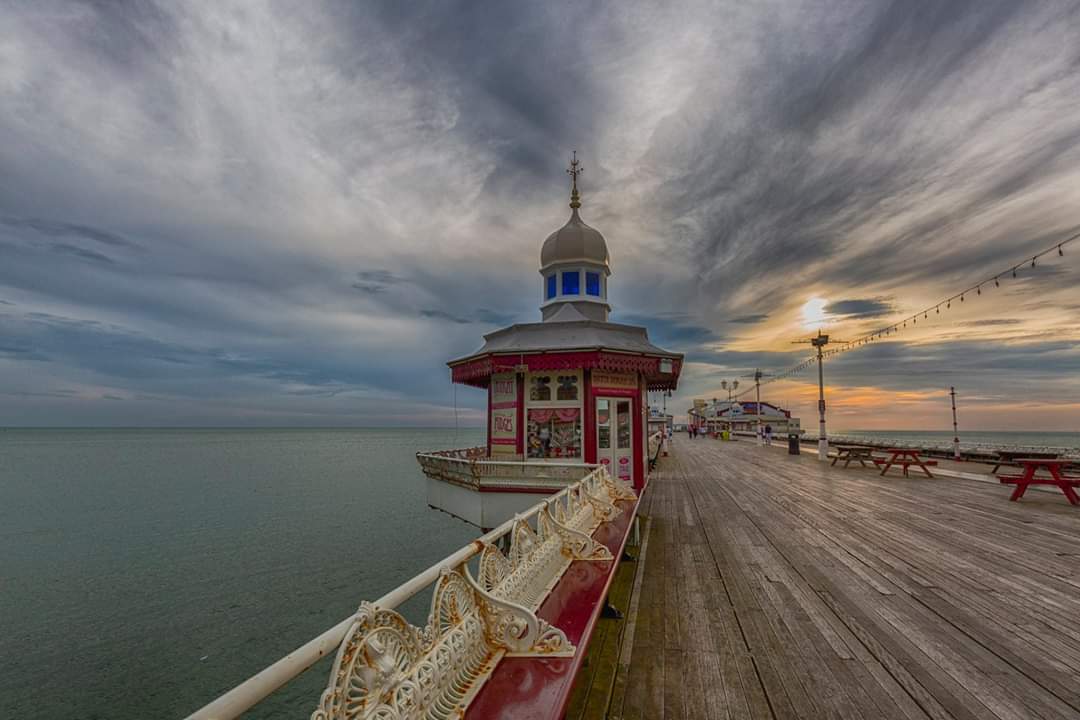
(621, 381)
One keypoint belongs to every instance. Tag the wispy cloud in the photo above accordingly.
(376, 281)
(442, 315)
(862, 308)
(749, 319)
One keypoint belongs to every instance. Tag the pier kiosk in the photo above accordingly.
(565, 393)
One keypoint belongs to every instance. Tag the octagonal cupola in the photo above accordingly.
(574, 265)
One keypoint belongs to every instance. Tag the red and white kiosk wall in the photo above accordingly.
(588, 407)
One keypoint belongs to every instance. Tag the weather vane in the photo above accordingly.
(573, 171)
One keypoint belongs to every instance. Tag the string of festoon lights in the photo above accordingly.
(993, 281)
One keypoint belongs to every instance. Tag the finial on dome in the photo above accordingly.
(573, 171)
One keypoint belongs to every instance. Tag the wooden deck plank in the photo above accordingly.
(783, 588)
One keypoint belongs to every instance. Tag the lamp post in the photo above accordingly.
(757, 406)
(955, 432)
(757, 400)
(730, 387)
(823, 441)
(819, 342)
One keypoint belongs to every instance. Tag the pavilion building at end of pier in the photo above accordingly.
(571, 389)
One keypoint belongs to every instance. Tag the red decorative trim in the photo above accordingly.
(504, 441)
(589, 439)
(490, 419)
(637, 429)
(478, 371)
(504, 405)
(520, 429)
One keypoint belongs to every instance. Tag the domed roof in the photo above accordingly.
(574, 242)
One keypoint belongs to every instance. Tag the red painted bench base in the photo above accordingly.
(1066, 484)
(529, 688)
(905, 464)
(882, 461)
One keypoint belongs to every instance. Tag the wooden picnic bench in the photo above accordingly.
(1009, 457)
(1028, 477)
(851, 453)
(905, 458)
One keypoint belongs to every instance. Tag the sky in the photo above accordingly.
(294, 213)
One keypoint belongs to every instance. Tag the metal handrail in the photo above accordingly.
(508, 463)
(261, 685)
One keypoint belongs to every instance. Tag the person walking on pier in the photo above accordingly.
(768, 434)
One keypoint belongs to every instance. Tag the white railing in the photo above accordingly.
(471, 453)
(387, 668)
(654, 443)
(472, 468)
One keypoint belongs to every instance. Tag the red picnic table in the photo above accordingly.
(1052, 466)
(904, 457)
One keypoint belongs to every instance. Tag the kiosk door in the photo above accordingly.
(615, 437)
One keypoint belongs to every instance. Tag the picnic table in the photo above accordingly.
(1009, 457)
(851, 453)
(1053, 466)
(905, 458)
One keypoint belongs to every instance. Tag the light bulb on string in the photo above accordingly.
(996, 283)
(1061, 253)
(978, 290)
(1014, 272)
(961, 298)
(1033, 262)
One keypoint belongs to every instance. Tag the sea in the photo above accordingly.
(1000, 439)
(145, 572)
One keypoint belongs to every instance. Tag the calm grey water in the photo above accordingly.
(144, 572)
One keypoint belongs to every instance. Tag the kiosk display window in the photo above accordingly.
(553, 417)
(540, 388)
(555, 433)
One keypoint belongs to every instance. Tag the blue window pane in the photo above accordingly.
(571, 283)
(592, 284)
(551, 286)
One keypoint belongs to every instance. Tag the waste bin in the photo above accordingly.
(725, 435)
(793, 443)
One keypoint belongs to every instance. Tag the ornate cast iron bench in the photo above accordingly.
(386, 668)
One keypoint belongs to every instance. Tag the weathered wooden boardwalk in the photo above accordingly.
(774, 586)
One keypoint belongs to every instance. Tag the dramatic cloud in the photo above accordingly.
(749, 319)
(868, 308)
(269, 214)
(440, 315)
(375, 281)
